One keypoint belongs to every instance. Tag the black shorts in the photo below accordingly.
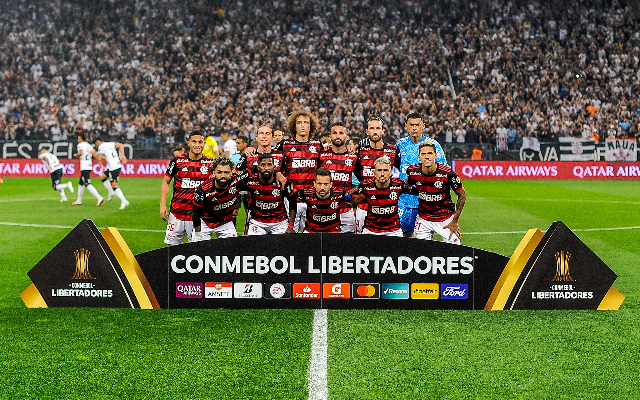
(56, 178)
(85, 177)
(113, 175)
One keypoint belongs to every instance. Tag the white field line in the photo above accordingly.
(464, 233)
(71, 227)
(36, 199)
(318, 388)
(556, 200)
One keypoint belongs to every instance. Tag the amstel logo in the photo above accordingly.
(82, 264)
(562, 267)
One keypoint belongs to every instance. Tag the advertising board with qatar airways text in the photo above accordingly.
(34, 168)
(560, 170)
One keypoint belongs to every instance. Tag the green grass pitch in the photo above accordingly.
(264, 354)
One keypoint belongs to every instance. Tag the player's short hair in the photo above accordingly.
(222, 160)
(264, 156)
(323, 172)
(197, 132)
(339, 123)
(375, 118)
(384, 160)
(266, 126)
(414, 115)
(179, 147)
(82, 136)
(426, 143)
(98, 139)
(291, 122)
(244, 139)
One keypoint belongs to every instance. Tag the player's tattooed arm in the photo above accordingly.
(453, 226)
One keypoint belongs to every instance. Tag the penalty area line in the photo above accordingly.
(71, 227)
(318, 388)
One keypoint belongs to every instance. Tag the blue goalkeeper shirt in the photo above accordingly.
(409, 156)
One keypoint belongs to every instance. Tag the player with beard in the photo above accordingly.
(409, 150)
(264, 137)
(188, 170)
(370, 150)
(300, 156)
(266, 205)
(323, 205)
(341, 163)
(436, 212)
(381, 193)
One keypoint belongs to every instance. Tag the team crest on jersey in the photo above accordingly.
(233, 190)
(393, 196)
(334, 204)
(275, 192)
(348, 162)
(438, 184)
(313, 149)
(204, 169)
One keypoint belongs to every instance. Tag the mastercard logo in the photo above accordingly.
(366, 291)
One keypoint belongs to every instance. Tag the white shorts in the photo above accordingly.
(397, 232)
(223, 231)
(424, 230)
(176, 229)
(266, 228)
(301, 215)
(348, 222)
(360, 216)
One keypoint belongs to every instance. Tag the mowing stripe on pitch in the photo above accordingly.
(620, 228)
(572, 200)
(318, 388)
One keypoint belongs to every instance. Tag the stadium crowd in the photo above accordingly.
(479, 72)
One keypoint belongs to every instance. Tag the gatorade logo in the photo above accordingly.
(336, 291)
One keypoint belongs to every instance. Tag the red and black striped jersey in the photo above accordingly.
(252, 161)
(383, 204)
(216, 206)
(368, 156)
(366, 162)
(323, 215)
(188, 175)
(434, 191)
(300, 161)
(267, 199)
(341, 167)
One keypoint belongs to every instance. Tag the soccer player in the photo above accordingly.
(278, 136)
(337, 159)
(368, 153)
(323, 205)
(210, 147)
(267, 211)
(229, 146)
(84, 153)
(264, 137)
(300, 156)
(381, 193)
(109, 151)
(409, 150)
(434, 181)
(188, 170)
(55, 169)
(214, 201)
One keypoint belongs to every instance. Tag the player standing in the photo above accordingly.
(267, 211)
(55, 169)
(109, 151)
(368, 153)
(381, 193)
(337, 159)
(409, 150)
(84, 153)
(188, 170)
(323, 205)
(436, 212)
(300, 156)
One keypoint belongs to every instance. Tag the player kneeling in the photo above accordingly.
(323, 205)
(433, 182)
(381, 193)
(266, 205)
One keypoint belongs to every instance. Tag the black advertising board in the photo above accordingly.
(331, 271)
